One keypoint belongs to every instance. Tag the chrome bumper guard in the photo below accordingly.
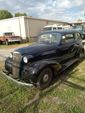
(16, 80)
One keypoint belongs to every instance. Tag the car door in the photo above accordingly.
(67, 43)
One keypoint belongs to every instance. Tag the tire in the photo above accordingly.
(80, 54)
(18, 42)
(45, 78)
(1, 42)
(6, 42)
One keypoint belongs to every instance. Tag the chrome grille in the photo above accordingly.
(16, 64)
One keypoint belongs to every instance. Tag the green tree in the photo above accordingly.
(5, 14)
(20, 14)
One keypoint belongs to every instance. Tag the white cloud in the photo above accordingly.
(78, 2)
(63, 4)
(50, 9)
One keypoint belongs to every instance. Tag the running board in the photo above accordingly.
(68, 64)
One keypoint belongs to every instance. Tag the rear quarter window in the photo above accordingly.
(68, 37)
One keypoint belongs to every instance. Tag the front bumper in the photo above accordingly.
(17, 81)
(14, 40)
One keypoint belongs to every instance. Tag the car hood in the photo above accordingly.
(36, 49)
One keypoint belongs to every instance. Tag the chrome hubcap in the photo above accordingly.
(45, 78)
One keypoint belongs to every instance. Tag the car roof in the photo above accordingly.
(62, 31)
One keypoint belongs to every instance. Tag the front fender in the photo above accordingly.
(36, 68)
(42, 64)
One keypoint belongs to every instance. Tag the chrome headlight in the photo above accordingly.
(11, 55)
(25, 59)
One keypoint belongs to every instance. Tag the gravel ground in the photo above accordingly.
(4, 53)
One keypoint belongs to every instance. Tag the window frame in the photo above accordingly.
(68, 41)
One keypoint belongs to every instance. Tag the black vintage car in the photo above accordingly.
(41, 61)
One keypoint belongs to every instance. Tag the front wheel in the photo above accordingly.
(45, 78)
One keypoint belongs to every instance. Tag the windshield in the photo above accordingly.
(47, 28)
(50, 38)
(78, 27)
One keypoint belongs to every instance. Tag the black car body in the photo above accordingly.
(39, 62)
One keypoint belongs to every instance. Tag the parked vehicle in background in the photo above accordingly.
(55, 27)
(40, 62)
(80, 26)
(9, 37)
(51, 27)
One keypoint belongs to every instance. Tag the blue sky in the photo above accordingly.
(64, 10)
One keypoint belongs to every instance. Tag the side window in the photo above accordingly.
(68, 38)
(54, 28)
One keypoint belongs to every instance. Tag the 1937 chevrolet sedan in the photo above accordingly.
(38, 63)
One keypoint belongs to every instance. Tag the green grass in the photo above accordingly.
(67, 95)
(12, 96)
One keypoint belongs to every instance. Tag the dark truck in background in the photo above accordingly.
(80, 26)
(9, 37)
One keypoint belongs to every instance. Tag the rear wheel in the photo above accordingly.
(45, 78)
(80, 54)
